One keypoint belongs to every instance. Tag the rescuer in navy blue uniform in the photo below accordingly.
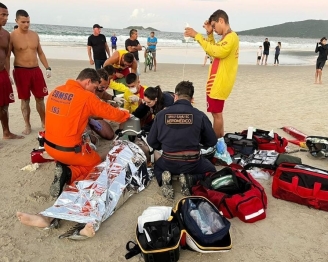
(179, 130)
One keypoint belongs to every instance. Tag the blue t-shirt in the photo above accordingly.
(152, 40)
(113, 39)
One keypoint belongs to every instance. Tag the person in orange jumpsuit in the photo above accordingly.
(68, 110)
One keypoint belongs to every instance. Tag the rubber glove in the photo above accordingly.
(97, 126)
(119, 100)
(48, 73)
(134, 99)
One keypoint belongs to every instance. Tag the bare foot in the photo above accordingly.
(316, 82)
(320, 82)
(33, 220)
(27, 130)
(12, 136)
(88, 230)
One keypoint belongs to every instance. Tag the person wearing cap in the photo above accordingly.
(98, 43)
(321, 60)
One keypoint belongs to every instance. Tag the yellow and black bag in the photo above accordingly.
(192, 236)
(162, 240)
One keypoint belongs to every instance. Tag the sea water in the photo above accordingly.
(69, 42)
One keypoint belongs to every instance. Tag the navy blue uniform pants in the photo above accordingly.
(198, 168)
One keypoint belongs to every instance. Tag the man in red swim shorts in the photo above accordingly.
(223, 70)
(6, 91)
(26, 47)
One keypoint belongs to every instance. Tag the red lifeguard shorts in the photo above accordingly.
(6, 90)
(214, 105)
(29, 80)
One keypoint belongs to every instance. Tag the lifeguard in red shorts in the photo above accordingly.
(6, 91)
(68, 110)
(223, 70)
(26, 47)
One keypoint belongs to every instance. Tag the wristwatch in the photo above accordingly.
(48, 68)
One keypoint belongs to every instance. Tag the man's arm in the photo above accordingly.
(107, 49)
(317, 48)
(113, 59)
(104, 96)
(216, 50)
(117, 86)
(89, 53)
(8, 52)
(138, 47)
(152, 136)
(134, 66)
(208, 136)
(41, 55)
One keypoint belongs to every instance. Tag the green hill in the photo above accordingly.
(141, 28)
(303, 29)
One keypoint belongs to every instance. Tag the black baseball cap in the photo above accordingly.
(97, 26)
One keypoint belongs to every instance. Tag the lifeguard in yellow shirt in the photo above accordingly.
(223, 70)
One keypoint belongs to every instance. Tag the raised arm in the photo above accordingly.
(317, 48)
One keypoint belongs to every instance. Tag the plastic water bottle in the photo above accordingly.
(187, 38)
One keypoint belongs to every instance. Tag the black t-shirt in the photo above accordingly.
(98, 46)
(266, 45)
(129, 42)
(323, 52)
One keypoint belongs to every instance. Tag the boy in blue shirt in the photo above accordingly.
(113, 39)
(151, 43)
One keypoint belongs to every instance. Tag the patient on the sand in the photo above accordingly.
(46, 223)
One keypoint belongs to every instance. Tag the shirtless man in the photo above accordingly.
(26, 47)
(6, 91)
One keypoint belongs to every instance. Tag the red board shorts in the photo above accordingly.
(29, 80)
(214, 105)
(6, 90)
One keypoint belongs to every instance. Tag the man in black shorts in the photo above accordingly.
(99, 46)
(266, 48)
(321, 60)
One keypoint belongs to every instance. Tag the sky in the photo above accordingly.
(166, 15)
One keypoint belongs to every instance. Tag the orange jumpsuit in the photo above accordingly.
(68, 109)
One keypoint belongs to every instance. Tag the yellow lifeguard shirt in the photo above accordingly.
(223, 70)
(120, 55)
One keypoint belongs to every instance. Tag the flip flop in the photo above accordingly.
(54, 224)
(74, 232)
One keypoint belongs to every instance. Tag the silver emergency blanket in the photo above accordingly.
(106, 188)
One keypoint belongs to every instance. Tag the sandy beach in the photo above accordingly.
(265, 97)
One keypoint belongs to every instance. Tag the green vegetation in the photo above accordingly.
(141, 28)
(303, 29)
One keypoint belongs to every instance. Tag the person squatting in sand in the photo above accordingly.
(223, 70)
(321, 60)
(154, 101)
(26, 47)
(6, 90)
(179, 130)
(68, 110)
